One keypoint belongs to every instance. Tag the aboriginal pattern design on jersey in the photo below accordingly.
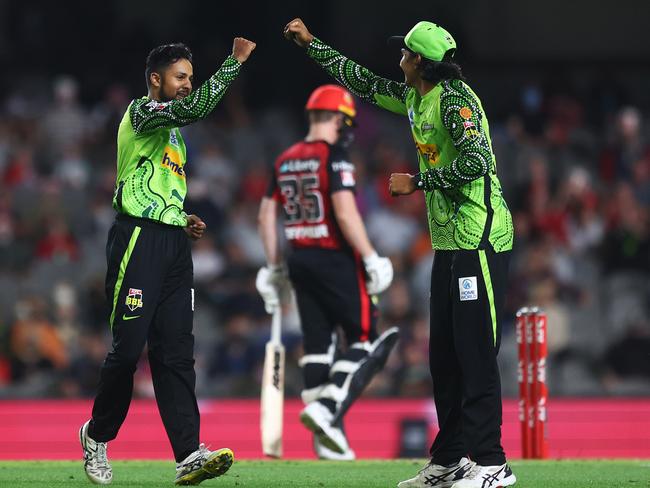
(147, 114)
(359, 80)
(455, 191)
(137, 193)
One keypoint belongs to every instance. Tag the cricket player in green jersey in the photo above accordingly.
(471, 233)
(150, 273)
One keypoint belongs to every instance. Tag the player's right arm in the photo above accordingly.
(147, 114)
(271, 281)
(267, 228)
(387, 94)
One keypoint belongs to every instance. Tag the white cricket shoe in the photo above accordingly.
(439, 476)
(203, 464)
(95, 460)
(317, 418)
(487, 477)
(324, 453)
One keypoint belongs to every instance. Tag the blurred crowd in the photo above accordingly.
(579, 192)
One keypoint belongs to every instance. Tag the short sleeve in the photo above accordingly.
(342, 172)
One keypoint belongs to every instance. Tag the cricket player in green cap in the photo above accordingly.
(471, 233)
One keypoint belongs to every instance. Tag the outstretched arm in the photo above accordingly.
(387, 94)
(147, 114)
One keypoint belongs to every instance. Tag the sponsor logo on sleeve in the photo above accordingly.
(347, 178)
(465, 113)
(156, 106)
(467, 288)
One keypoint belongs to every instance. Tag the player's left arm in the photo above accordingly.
(342, 190)
(462, 117)
(149, 114)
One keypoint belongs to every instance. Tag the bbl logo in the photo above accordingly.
(134, 299)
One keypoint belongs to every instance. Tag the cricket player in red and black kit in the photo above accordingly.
(332, 266)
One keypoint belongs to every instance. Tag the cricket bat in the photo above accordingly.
(272, 407)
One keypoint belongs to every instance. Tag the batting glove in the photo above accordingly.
(271, 283)
(380, 273)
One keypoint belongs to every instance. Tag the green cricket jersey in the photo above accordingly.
(151, 152)
(465, 204)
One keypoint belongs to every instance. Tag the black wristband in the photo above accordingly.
(418, 181)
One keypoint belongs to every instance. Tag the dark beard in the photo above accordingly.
(164, 98)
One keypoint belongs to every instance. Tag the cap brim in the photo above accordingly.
(397, 41)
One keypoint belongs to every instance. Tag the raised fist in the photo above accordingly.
(242, 48)
(296, 31)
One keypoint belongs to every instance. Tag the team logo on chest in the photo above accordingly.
(134, 299)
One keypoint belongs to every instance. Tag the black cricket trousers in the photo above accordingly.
(468, 289)
(149, 290)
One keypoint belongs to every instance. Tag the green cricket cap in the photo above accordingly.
(427, 39)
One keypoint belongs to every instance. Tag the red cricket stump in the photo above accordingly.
(531, 372)
(540, 448)
(522, 377)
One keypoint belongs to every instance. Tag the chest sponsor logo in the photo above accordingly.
(173, 138)
(428, 151)
(426, 127)
(467, 288)
(172, 161)
(299, 166)
(134, 299)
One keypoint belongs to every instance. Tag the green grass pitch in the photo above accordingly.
(323, 474)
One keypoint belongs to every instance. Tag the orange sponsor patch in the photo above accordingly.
(465, 112)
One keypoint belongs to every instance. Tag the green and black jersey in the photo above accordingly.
(151, 152)
(465, 204)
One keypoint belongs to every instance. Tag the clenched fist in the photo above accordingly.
(242, 48)
(195, 227)
(296, 31)
(401, 184)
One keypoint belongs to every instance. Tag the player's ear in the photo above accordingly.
(154, 79)
(339, 120)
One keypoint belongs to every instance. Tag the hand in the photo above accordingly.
(195, 227)
(401, 184)
(380, 273)
(297, 31)
(273, 285)
(242, 48)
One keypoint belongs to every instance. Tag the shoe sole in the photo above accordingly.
(324, 439)
(216, 465)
